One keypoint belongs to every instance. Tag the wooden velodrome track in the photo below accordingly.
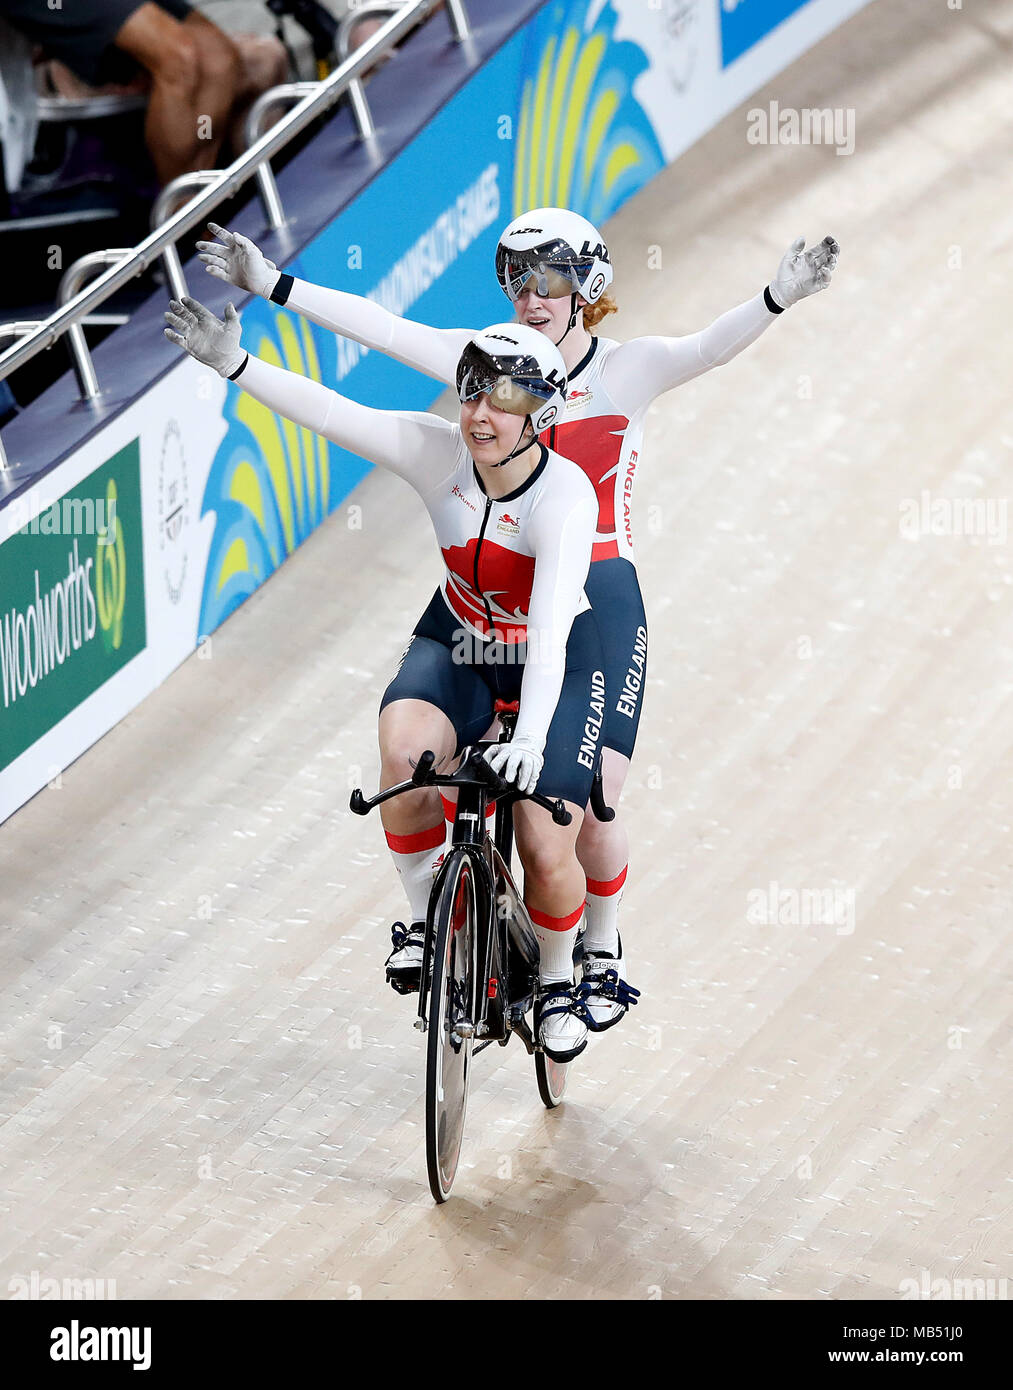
(209, 1092)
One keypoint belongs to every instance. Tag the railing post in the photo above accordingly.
(458, 20)
(287, 93)
(74, 277)
(168, 202)
(370, 9)
(360, 109)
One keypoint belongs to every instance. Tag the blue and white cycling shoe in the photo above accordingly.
(604, 988)
(561, 1021)
(404, 964)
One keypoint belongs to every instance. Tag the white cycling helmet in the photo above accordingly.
(521, 370)
(560, 250)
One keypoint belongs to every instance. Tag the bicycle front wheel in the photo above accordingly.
(551, 1080)
(452, 1015)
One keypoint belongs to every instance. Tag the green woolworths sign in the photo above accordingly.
(71, 601)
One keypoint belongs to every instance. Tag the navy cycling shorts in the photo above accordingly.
(466, 693)
(618, 606)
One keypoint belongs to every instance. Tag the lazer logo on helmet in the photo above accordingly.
(599, 251)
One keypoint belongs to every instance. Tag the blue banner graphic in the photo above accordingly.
(745, 22)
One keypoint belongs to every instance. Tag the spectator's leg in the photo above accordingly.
(194, 82)
(260, 62)
(67, 84)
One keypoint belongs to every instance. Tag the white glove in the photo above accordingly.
(235, 259)
(802, 273)
(519, 762)
(198, 332)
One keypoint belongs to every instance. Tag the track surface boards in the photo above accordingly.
(207, 1089)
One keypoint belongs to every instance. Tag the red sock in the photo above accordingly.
(413, 857)
(603, 899)
(556, 936)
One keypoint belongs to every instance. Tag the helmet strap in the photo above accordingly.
(573, 316)
(521, 445)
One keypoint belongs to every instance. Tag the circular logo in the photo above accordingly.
(173, 512)
(596, 286)
(546, 418)
(111, 576)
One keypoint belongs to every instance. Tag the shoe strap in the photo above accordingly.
(401, 935)
(572, 1003)
(610, 986)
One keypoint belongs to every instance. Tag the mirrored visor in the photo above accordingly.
(478, 374)
(530, 272)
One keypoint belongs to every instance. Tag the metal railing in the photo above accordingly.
(366, 9)
(78, 304)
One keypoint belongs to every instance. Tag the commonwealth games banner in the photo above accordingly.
(583, 106)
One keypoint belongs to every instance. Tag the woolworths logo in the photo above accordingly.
(73, 607)
(111, 576)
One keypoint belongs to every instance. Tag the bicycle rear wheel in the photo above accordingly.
(452, 1011)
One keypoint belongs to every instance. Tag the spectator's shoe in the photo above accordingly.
(561, 1021)
(604, 988)
(404, 964)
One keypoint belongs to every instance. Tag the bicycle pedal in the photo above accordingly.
(403, 986)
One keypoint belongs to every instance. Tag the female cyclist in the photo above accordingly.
(515, 525)
(555, 268)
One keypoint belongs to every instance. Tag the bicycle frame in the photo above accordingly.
(507, 946)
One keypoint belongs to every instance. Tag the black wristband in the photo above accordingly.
(240, 368)
(282, 290)
(771, 302)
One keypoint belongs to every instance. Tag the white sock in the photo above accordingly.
(414, 856)
(556, 936)
(602, 909)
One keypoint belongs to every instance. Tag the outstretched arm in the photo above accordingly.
(238, 261)
(419, 447)
(645, 367)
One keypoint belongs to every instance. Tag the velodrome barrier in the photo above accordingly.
(133, 543)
